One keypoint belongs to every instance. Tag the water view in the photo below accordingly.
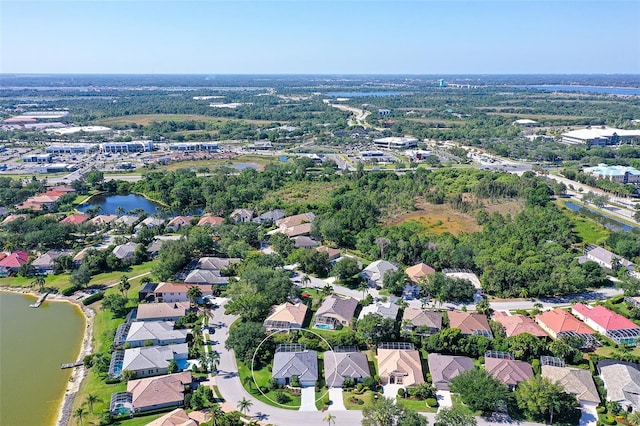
(364, 94)
(112, 204)
(34, 342)
(587, 89)
(607, 222)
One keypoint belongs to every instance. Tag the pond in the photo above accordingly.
(111, 204)
(606, 221)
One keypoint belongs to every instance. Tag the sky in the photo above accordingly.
(320, 37)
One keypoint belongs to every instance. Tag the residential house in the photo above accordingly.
(424, 323)
(159, 333)
(616, 327)
(420, 272)
(270, 216)
(558, 323)
(384, 309)
(162, 311)
(126, 221)
(335, 311)
(175, 292)
(334, 254)
(205, 277)
(178, 222)
(399, 363)
(375, 272)
(13, 262)
(13, 218)
(147, 292)
(286, 316)
(103, 219)
(154, 247)
(179, 417)
(444, 368)
(295, 220)
(470, 323)
(509, 371)
(216, 263)
(154, 360)
(75, 219)
(79, 257)
(208, 220)
(154, 393)
(518, 324)
(150, 222)
(606, 259)
(125, 251)
(575, 381)
(622, 382)
(242, 215)
(339, 364)
(45, 264)
(295, 360)
(304, 242)
(633, 301)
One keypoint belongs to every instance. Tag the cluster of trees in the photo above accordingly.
(15, 191)
(40, 232)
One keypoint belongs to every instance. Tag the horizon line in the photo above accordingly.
(315, 74)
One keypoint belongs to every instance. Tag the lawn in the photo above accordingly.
(303, 193)
(588, 230)
(262, 377)
(367, 398)
(416, 405)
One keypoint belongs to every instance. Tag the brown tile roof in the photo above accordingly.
(508, 371)
(518, 324)
(574, 380)
(288, 312)
(468, 321)
(162, 310)
(177, 417)
(422, 318)
(395, 362)
(418, 271)
(75, 219)
(152, 391)
(210, 220)
(335, 306)
(443, 368)
(294, 231)
(331, 252)
(295, 220)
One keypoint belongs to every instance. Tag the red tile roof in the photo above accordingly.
(15, 259)
(559, 320)
(210, 220)
(604, 317)
(518, 324)
(75, 219)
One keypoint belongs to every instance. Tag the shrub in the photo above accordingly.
(281, 397)
(402, 393)
(273, 384)
(93, 298)
(295, 381)
(608, 419)
(369, 382)
(601, 410)
(68, 291)
(432, 402)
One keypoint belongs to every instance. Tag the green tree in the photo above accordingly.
(245, 338)
(172, 367)
(116, 303)
(39, 282)
(454, 416)
(479, 390)
(124, 285)
(540, 399)
(373, 329)
(346, 270)
(79, 414)
(330, 419)
(394, 281)
(244, 405)
(385, 412)
(81, 276)
(634, 418)
(194, 293)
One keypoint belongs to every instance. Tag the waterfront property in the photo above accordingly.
(162, 311)
(156, 333)
(152, 360)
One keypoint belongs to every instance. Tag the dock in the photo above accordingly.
(72, 365)
(39, 301)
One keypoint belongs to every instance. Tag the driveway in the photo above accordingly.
(589, 415)
(308, 399)
(444, 399)
(391, 391)
(337, 403)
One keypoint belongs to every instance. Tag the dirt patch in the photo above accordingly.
(438, 219)
(511, 207)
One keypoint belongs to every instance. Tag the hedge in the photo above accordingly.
(68, 291)
(93, 298)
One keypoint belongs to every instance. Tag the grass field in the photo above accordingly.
(146, 119)
(303, 193)
(258, 160)
(262, 377)
(416, 405)
(589, 231)
(367, 398)
(438, 219)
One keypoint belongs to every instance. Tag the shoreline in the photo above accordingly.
(86, 346)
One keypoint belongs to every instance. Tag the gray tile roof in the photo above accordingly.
(302, 364)
(622, 382)
(203, 276)
(574, 380)
(154, 331)
(384, 309)
(443, 368)
(340, 365)
(151, 357)
(338, 307)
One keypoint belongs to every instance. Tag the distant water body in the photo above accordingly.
(33, 345)
(634, 91)
(364, 94)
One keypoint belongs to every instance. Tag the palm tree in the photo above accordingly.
(92, 399)
(194, 293)
(634, 418)
(330, 418)
(382, 242)
(124, 285)
(305, 280)
(362, 285)
(39, 282)
(523, 292)
(214, 360)
(79, 414)
(214, 414)
(244, 405)
(327, 290)
(120, 210)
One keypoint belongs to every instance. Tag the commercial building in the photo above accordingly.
(601, 136)
(396, 142)
(193, 146)
(75, 148)
(37, 158)
(79, 129)
(135, 146)
(620, 174)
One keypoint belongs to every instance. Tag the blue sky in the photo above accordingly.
(317, 37)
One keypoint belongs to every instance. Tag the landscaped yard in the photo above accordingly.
(262, 377)
(416, 405)
(367, 399)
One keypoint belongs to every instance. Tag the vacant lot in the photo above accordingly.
(303, 193)
(511, 207)
(438, 219)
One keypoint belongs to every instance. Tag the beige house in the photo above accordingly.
(423, 322)
(286, 317)
(400, 366)
(470, 323)
(576, 381)
(419, 272)
(153, 393)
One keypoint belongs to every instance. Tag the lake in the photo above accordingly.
(607, 222)
(109, 204)
(34, 342)
(586, 89)
(363, 94)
